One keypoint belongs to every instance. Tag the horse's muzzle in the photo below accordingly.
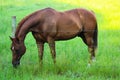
(16, 63)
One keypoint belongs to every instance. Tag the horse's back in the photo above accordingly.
(60, 25)
(64, 25)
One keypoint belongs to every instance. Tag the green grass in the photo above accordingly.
(72, 55)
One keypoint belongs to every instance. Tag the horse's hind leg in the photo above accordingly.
(91, 48)
(90, 40)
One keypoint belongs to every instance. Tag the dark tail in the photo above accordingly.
(95, 37)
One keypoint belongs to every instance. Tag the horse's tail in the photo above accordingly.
(95, 37)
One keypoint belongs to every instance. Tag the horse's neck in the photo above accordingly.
(24, 26)
(22, 32)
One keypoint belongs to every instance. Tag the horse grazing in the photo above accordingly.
(49, 25)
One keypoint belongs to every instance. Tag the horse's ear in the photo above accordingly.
(11, 38)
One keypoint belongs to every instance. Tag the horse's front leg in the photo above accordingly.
(51, 43)
(40, 46)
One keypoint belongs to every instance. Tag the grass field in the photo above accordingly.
(72, 55)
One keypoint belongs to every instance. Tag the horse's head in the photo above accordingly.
(18, 49)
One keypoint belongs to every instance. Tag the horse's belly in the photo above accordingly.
(64, 35)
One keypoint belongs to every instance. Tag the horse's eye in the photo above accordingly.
(17, 51)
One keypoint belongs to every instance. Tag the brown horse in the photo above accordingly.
(49, 25)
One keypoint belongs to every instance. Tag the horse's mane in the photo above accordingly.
(23, 21)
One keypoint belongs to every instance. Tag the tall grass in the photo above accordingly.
(72, 55)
